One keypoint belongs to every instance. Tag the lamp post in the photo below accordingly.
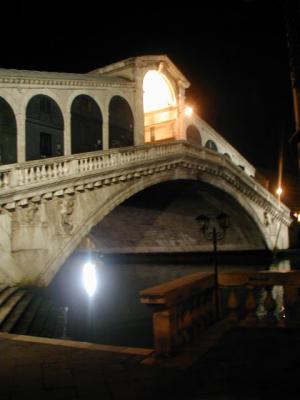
(209, 228)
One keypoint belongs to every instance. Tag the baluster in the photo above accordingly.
(66, 168)
(5, 179)
(232, 305)
(43, 172)
(20, 177)
(250, 306)
(31, 174)
(60, 169)
(269, 305)
(38, 173)
(54, 171)
(26, 176)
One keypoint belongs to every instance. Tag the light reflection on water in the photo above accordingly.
(114, 315)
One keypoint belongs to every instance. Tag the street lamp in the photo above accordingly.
(209, 228)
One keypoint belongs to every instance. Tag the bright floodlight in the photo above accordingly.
(89, 278)
(188, 111)
(279, 191)
(158, 93)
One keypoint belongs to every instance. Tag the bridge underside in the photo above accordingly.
(161, 218)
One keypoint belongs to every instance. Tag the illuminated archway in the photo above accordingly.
(158, 93)
(159, 107)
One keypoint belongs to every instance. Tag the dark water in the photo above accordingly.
(114, 315)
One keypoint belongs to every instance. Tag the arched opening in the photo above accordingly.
(193, 135)
(86, 125)
(8, 134)
(121, 131)
(211, 145)
(227, 156)
(159, 107)
(162, 218)
(44, 128)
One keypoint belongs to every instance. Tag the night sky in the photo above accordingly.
(233, 52)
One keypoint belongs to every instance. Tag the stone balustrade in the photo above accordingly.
(49, 169)
(185, 306)
(181, 308)
(55, 176)
(260, 297)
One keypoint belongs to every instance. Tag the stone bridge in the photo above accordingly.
(75, 146)
(57, 201)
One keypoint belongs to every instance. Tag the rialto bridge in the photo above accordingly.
(74, 147)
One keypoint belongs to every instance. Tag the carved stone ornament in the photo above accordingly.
(66, 211)
(266, 218)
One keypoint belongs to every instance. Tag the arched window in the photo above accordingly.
(86, 125)
(44, 128)
(193, 135)
(120, 123)
(8, 134)
(226, 155)
(210, 144)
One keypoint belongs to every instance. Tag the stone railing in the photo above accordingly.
(186, 306)
(181, 308)
(260, 297)
(47, 170)
(21, 181)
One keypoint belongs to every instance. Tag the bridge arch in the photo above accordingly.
(121, 123)
(44, 128)
(94, 207)
(86, 125)
(8, 133)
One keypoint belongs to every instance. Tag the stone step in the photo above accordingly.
(23, 325)
(10, 303)
(6, 293)
(17, 313)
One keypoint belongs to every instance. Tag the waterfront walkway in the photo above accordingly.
(245, 363)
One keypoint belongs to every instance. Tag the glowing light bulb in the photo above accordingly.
(279, 191)
(188, 111)
(89, 278)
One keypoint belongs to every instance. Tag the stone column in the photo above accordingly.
(105, 129)
(139, 125)
(180, 131)
(67, 134)
(21, 143)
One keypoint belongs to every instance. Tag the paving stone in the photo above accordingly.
(56, 375)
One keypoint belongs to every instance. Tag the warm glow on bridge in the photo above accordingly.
(158, 93)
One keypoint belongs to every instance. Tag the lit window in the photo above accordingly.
(158, 93)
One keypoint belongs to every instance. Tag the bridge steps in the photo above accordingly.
(15, 314)
(23, 325)
(29, 312)
(8, 301)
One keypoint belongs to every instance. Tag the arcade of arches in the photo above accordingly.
(44, 127)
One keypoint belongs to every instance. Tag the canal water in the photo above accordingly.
(114, 314)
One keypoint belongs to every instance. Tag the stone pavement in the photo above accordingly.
(246, 363)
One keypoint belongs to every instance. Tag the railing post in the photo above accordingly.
(163, 327)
